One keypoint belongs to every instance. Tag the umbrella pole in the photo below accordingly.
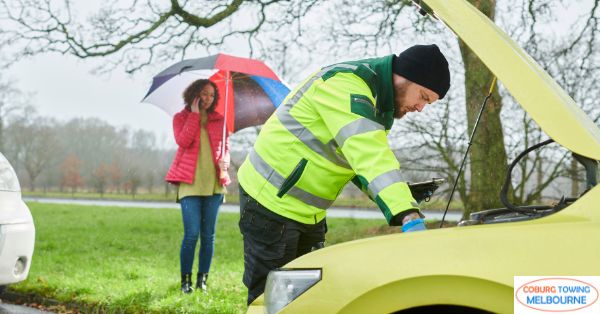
(227, 73)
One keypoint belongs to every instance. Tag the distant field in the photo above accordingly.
(107, 196)
(126, 260)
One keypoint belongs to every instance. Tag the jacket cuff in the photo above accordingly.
(225, 181)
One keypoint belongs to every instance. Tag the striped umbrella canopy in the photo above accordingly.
(249, 90)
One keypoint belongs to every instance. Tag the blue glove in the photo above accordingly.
(414, 225)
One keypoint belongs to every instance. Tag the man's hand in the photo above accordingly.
(413, 222)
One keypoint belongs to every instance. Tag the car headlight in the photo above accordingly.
(8, 178)
(285, 285)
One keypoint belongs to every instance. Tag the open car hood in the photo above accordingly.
(543, 99)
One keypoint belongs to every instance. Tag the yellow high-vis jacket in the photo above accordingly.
(328, 131)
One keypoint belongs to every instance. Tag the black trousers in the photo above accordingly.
(271, 241)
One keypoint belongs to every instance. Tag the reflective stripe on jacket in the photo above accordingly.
(331, 129)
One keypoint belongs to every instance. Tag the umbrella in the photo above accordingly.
(249, 90)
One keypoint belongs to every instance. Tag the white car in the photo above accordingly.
(17, 232)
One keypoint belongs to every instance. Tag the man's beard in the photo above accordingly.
(399, 96)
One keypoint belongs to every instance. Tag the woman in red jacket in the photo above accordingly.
(200, 171)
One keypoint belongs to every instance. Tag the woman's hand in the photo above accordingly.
(195, 105)
(223, 165)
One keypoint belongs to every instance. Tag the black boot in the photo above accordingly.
(201, 281)
(186, 283)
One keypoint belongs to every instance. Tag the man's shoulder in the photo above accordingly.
(349, 82)
(359, 72)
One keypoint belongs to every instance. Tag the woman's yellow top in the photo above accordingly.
(206, 181)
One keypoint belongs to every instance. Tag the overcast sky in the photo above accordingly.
(64, 88)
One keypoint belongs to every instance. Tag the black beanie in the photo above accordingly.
(424, 65)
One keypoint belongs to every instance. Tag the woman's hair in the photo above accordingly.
(192, 91)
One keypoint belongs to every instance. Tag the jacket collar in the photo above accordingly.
(381, 86)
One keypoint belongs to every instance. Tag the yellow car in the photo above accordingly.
(470, 268)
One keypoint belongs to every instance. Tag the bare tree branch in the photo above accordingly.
(136, 33)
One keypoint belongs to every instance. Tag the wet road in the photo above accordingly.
(358, 213)
(14, 309)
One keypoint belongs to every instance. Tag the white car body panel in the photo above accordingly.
(17, 232)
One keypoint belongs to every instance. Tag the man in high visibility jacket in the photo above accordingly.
(328, 131)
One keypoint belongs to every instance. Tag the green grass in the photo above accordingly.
(126, 260)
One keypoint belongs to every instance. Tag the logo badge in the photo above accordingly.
(556, 294)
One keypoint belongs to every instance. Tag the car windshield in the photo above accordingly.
(8, 178)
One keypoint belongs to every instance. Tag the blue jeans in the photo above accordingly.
(199, 219)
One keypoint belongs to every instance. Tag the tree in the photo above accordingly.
(488, 154)
(94, 141)
(71, 176)
(133, 181)
(569, 53)
(137, 33)
(100, 178)
(150, 178)
(436, 146)
(36, 144)
(80, 149)
(11, 99)
(116, 175)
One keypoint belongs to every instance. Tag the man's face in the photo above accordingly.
(410, 97)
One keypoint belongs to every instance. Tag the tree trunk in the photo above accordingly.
(167, 189)
(540, 178)
(488, 154)
(574, 178)
(31, 183)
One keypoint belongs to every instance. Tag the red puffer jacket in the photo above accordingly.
(186, 126)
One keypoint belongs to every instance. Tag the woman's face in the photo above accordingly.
(207, 96)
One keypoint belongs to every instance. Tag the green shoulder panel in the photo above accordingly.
(376, 74)
(360, 70)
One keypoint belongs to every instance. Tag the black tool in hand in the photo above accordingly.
(422, 191)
